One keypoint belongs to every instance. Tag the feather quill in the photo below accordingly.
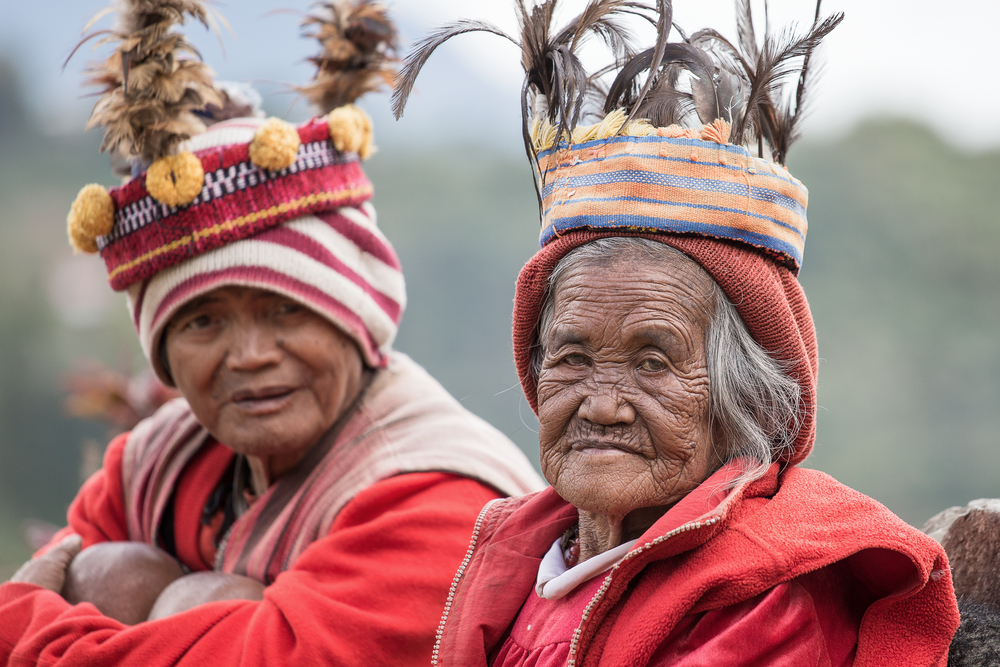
(154, 83)
(776, 60)
(740, 83)
(556, 84)
(358, 41)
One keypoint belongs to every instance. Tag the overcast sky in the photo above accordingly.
(935, 62)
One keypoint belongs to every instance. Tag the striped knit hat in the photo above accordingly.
(244, 201)
(308, 234)
(670, 159)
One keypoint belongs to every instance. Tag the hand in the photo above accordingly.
(49, 571)
(199, 588)
(121, 579)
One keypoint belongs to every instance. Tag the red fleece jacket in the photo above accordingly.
(370, 593)
(802, 527)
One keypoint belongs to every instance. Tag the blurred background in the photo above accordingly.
(902, 267)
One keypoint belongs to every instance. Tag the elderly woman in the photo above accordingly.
(309, 498)
(667, 348)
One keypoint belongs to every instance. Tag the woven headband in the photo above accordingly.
(673, 184)
(193, 202)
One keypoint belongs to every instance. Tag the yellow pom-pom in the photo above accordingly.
(92, 215)
(351, 131)
(275, 145)
(175, 180)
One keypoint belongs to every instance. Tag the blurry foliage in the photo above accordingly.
(901, 270)
(902, 267)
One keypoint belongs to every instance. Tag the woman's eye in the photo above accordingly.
(575, 359)
(653, 365)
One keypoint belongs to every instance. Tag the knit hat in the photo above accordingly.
(671, 159)
(220, 196)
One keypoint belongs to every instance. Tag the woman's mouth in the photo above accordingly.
(262, 401)
(601, 447)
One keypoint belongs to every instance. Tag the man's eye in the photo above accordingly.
(200, 322)
(289, 308)
(575, 359)
(653, 365)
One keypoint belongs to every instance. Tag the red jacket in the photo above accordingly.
(769, 543)
(369, 593)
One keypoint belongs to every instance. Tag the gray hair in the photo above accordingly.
(753, 402)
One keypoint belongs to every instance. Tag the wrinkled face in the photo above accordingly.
(623, 400)
(264, 374)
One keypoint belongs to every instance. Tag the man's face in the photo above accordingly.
(263, 373)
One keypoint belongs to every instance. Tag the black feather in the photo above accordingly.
(664, 21)
(775, 61)
(423, 49)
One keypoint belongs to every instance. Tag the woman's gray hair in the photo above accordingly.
(753, 403)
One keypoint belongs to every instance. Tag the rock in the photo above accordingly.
(970, 536)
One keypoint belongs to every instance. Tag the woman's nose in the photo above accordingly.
(253, 347)
(607, 407)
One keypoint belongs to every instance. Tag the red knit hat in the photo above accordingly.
(667, 161)
(766, 294)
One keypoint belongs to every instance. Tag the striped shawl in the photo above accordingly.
(404, 422)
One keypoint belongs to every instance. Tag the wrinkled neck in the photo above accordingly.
(602, 532)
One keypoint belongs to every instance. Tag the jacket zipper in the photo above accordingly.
(575, 641)
(458, 577)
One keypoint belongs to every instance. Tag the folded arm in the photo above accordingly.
(369, 593)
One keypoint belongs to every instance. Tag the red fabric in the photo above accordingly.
(778, 628)
(541, 635)
(803, 537)
(806, 621)
(766, 295)
(195, 543)
(370, 593)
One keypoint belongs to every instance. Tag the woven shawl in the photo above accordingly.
(403, 422)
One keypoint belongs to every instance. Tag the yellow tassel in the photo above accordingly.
(175, 180)
(639, 128)
(582, 134)
(543, 134)
(91, 215)
(275, 145)
(611, 124)
(351, 131)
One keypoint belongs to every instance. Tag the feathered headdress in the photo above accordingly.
(156, 94)
(698, 79)
(357, 41)
(671, 148)
(154, 83)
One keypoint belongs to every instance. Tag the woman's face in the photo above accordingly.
(623, 389)
(264, 374)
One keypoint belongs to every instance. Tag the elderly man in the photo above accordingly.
(309, 498)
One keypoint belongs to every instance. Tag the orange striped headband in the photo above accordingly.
(677, 181)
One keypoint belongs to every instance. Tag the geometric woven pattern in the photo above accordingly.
(674, 185)
(238, 200)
